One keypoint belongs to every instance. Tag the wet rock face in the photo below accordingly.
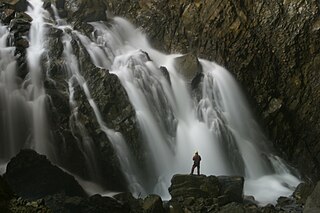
(271, 47)
(112, 102)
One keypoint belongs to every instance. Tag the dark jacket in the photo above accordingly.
(196, 159)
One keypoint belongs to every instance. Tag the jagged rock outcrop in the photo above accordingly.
(271, 47)
(31, 175)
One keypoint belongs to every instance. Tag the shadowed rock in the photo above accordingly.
(313, 201)
(18, 5)
(31, 175)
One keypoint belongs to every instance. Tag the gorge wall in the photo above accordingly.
(271, 47)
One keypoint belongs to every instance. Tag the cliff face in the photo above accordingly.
(271, 47)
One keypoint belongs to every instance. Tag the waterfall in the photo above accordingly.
(174, 122)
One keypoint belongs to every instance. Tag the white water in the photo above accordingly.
(23, 113)
(35, 52)
(86, 144)
(174, 124)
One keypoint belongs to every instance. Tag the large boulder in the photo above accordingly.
(153, 204)
(31, 175)
(135, 204)
(199, 192)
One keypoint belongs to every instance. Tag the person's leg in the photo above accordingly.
(192, 169)
(198, 169)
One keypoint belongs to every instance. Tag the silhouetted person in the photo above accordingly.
(196, 163)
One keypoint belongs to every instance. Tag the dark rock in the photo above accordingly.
(18, 5)
(22, 43)
(153, 204)
(5, 195)
(60, 4)
(269, 209)
(188, 66)
(175, 208)
(185, 186)
(232, 187)
(202, 193)
(302, 192)
(23, 16)
(20, 26)
(6, 15)
(95, 203)
(5, 191)
(249, 200)
(46, 4)
(313, 202)
(31, 175)
(21, 205)
(288, 204)
(127, 199)
(166, 74)
(232, 208)
(86, 10)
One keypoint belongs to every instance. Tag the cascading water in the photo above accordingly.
(23, 117)
(173, 122)
(86, 144)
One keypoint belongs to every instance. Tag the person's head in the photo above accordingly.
(196, 153)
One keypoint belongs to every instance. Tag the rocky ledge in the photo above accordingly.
(32, 184)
